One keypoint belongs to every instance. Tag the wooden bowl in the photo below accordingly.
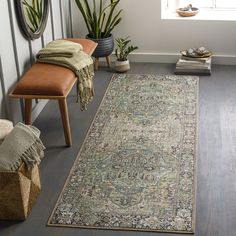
(207, 54)
(187, 13)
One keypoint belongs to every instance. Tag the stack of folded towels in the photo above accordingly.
(20, 144)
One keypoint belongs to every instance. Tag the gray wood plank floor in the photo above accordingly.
(216, 193)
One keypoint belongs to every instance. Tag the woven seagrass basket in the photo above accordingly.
(18, 192)
(187, 13)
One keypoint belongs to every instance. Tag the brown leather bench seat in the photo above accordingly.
(47, 81)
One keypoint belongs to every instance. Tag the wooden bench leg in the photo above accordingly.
(28, 113)
(65, 121)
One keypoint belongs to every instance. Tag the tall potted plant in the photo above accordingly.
(122, 51)
(100, 19)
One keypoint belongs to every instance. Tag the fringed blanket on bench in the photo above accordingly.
(69, 54)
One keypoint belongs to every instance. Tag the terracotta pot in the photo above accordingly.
(122, 66)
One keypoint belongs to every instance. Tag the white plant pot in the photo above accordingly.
(122, 66)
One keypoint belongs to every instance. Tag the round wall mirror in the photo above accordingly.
(33, 15)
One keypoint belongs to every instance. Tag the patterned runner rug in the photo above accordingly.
(136, 168)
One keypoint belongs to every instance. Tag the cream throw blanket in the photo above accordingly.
(22, 144)
(6, 127)
(69, 54)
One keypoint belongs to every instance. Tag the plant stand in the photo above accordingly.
(104, 48)
(96, 63)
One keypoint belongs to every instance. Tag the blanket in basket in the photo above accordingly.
(22, 144)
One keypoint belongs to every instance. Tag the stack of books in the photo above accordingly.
(193, 66)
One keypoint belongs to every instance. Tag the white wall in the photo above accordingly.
(161, 40)
(11, 108)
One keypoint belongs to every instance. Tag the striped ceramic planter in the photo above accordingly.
(105, 46)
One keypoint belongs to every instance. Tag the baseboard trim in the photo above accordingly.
(173, 57)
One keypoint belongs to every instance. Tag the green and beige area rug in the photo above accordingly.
(136, 168)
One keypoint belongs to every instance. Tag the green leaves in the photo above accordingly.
(123, 49)
(100, 17)
(34, 14)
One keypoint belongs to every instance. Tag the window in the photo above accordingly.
(216, 4)
(221, 10)
(197, 3)
(225, 4)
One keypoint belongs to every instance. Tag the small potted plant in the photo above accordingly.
(122, 52)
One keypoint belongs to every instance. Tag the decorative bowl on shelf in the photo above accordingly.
(187, 11)
(201, 52)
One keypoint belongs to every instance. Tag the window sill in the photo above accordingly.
(204, 14)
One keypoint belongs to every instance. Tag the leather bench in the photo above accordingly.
(47, 81)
